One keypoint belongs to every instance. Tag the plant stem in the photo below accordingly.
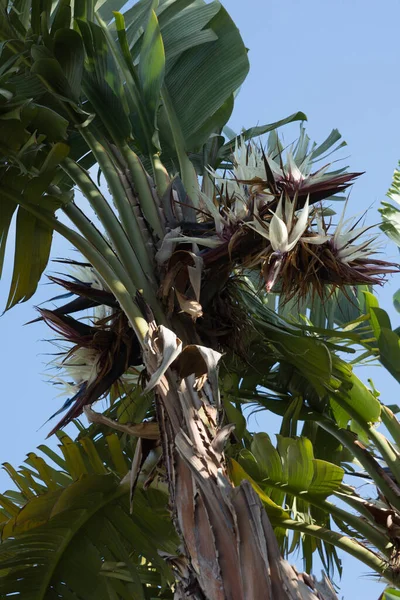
(358, 505)
(113, 228)
(90, 232)
(124, 60)
(127, 216)
(161, 176)
(350, 546)
(356, 502)
(94, 237)
(372, 534)
(187, 170)
(99, 261)
(387, 451)
(349, 441)
(391, 423)
(107, 218)
(382, 444)
(143, 189)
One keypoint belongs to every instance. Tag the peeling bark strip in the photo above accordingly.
(229, 548)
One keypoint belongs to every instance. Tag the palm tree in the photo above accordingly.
(188, 221)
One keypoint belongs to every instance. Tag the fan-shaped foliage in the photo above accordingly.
(68, 531)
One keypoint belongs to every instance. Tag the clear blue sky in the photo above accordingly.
(336, 61)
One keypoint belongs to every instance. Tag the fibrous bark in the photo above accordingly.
(229, 550)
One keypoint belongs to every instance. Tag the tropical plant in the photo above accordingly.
(203, 251)
(390, 213)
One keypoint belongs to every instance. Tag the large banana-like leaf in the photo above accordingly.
(387, 340)
(391, 212)
(195, 35)
(70, 521)
(290, 469)
(27, 126)
(291, 477)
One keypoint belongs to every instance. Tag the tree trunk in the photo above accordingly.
(229, 549)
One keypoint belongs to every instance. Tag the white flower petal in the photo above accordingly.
(279, 209)
(208, 242)
(320, 224)
(351, 235)
(289, 211)
(86, 275)
(300, 227)
(257, 227)
(292, 169)
(315, 239)
(278, 234)
(352, 249)
(339, 226)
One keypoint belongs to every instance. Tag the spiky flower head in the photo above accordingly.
(271, 214)
(285, 231)
(95, 354)
(259, 176)
(268, 212)
(317, 257)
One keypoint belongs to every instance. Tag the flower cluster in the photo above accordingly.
(96, 354)
(272, 215)
(305, 253)
(259, 176)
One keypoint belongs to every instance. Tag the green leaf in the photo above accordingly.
(32, 251)
(8, 207)
(332, 138)
(238, 474)
(152, 66)
(199, 138)
(253, 132)
(94, 458)
(44, 120)
(327, 478)
(206, 89)
(101, 83)
(390, 594)
(297, 456)
(116, 454)
(267, 457)
(69, 51)
(13, 134)
(72, 455)
(62, 16)
(389, 347)
(388, 340)
(55, 156)
(391, 222)
(396, 300)
(292, 465)
(190, 41)
(234, 416)
(43, 471)
(19, 481)
(394, 191)
(64, 530)
(360, 399)
(50, 70)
